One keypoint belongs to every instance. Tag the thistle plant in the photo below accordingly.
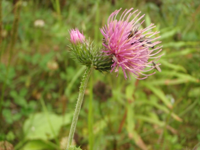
(93, 58)
(125, 45)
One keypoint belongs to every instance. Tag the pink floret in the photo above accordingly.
(130, 47)
(76, 36)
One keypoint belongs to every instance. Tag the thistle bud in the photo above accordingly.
(87, 54)
(76, 36)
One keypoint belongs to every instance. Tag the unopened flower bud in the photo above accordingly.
(76, 36)
(87, 54)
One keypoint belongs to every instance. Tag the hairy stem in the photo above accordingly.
(78, 105)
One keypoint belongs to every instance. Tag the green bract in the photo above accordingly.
(88, 55)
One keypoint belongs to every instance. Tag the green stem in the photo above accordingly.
(56, 6)
(78, 105)
(17, 8)
(58, 9)
(96, 28)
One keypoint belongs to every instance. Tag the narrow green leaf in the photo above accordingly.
(159, 106)
(147, 20)
(172, 66)
(168, 34)
(179, 44)
(186, 77)
(180, 53)
(160, 94)
(130, 118)
(137, 139)
(129, 91)
(150, 120)
(168, 81)
(194, 92)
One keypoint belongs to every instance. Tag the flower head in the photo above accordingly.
(130, 47)
(76, 36)
(84, 51)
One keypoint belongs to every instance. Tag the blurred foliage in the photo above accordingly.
(161, 112)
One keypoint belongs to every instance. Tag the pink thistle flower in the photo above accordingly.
(76, 36)
(130, 47)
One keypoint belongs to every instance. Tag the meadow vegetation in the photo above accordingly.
(39, 80)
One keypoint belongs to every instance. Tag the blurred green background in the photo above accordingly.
(39, 81)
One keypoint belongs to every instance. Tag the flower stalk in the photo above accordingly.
(83, 86)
